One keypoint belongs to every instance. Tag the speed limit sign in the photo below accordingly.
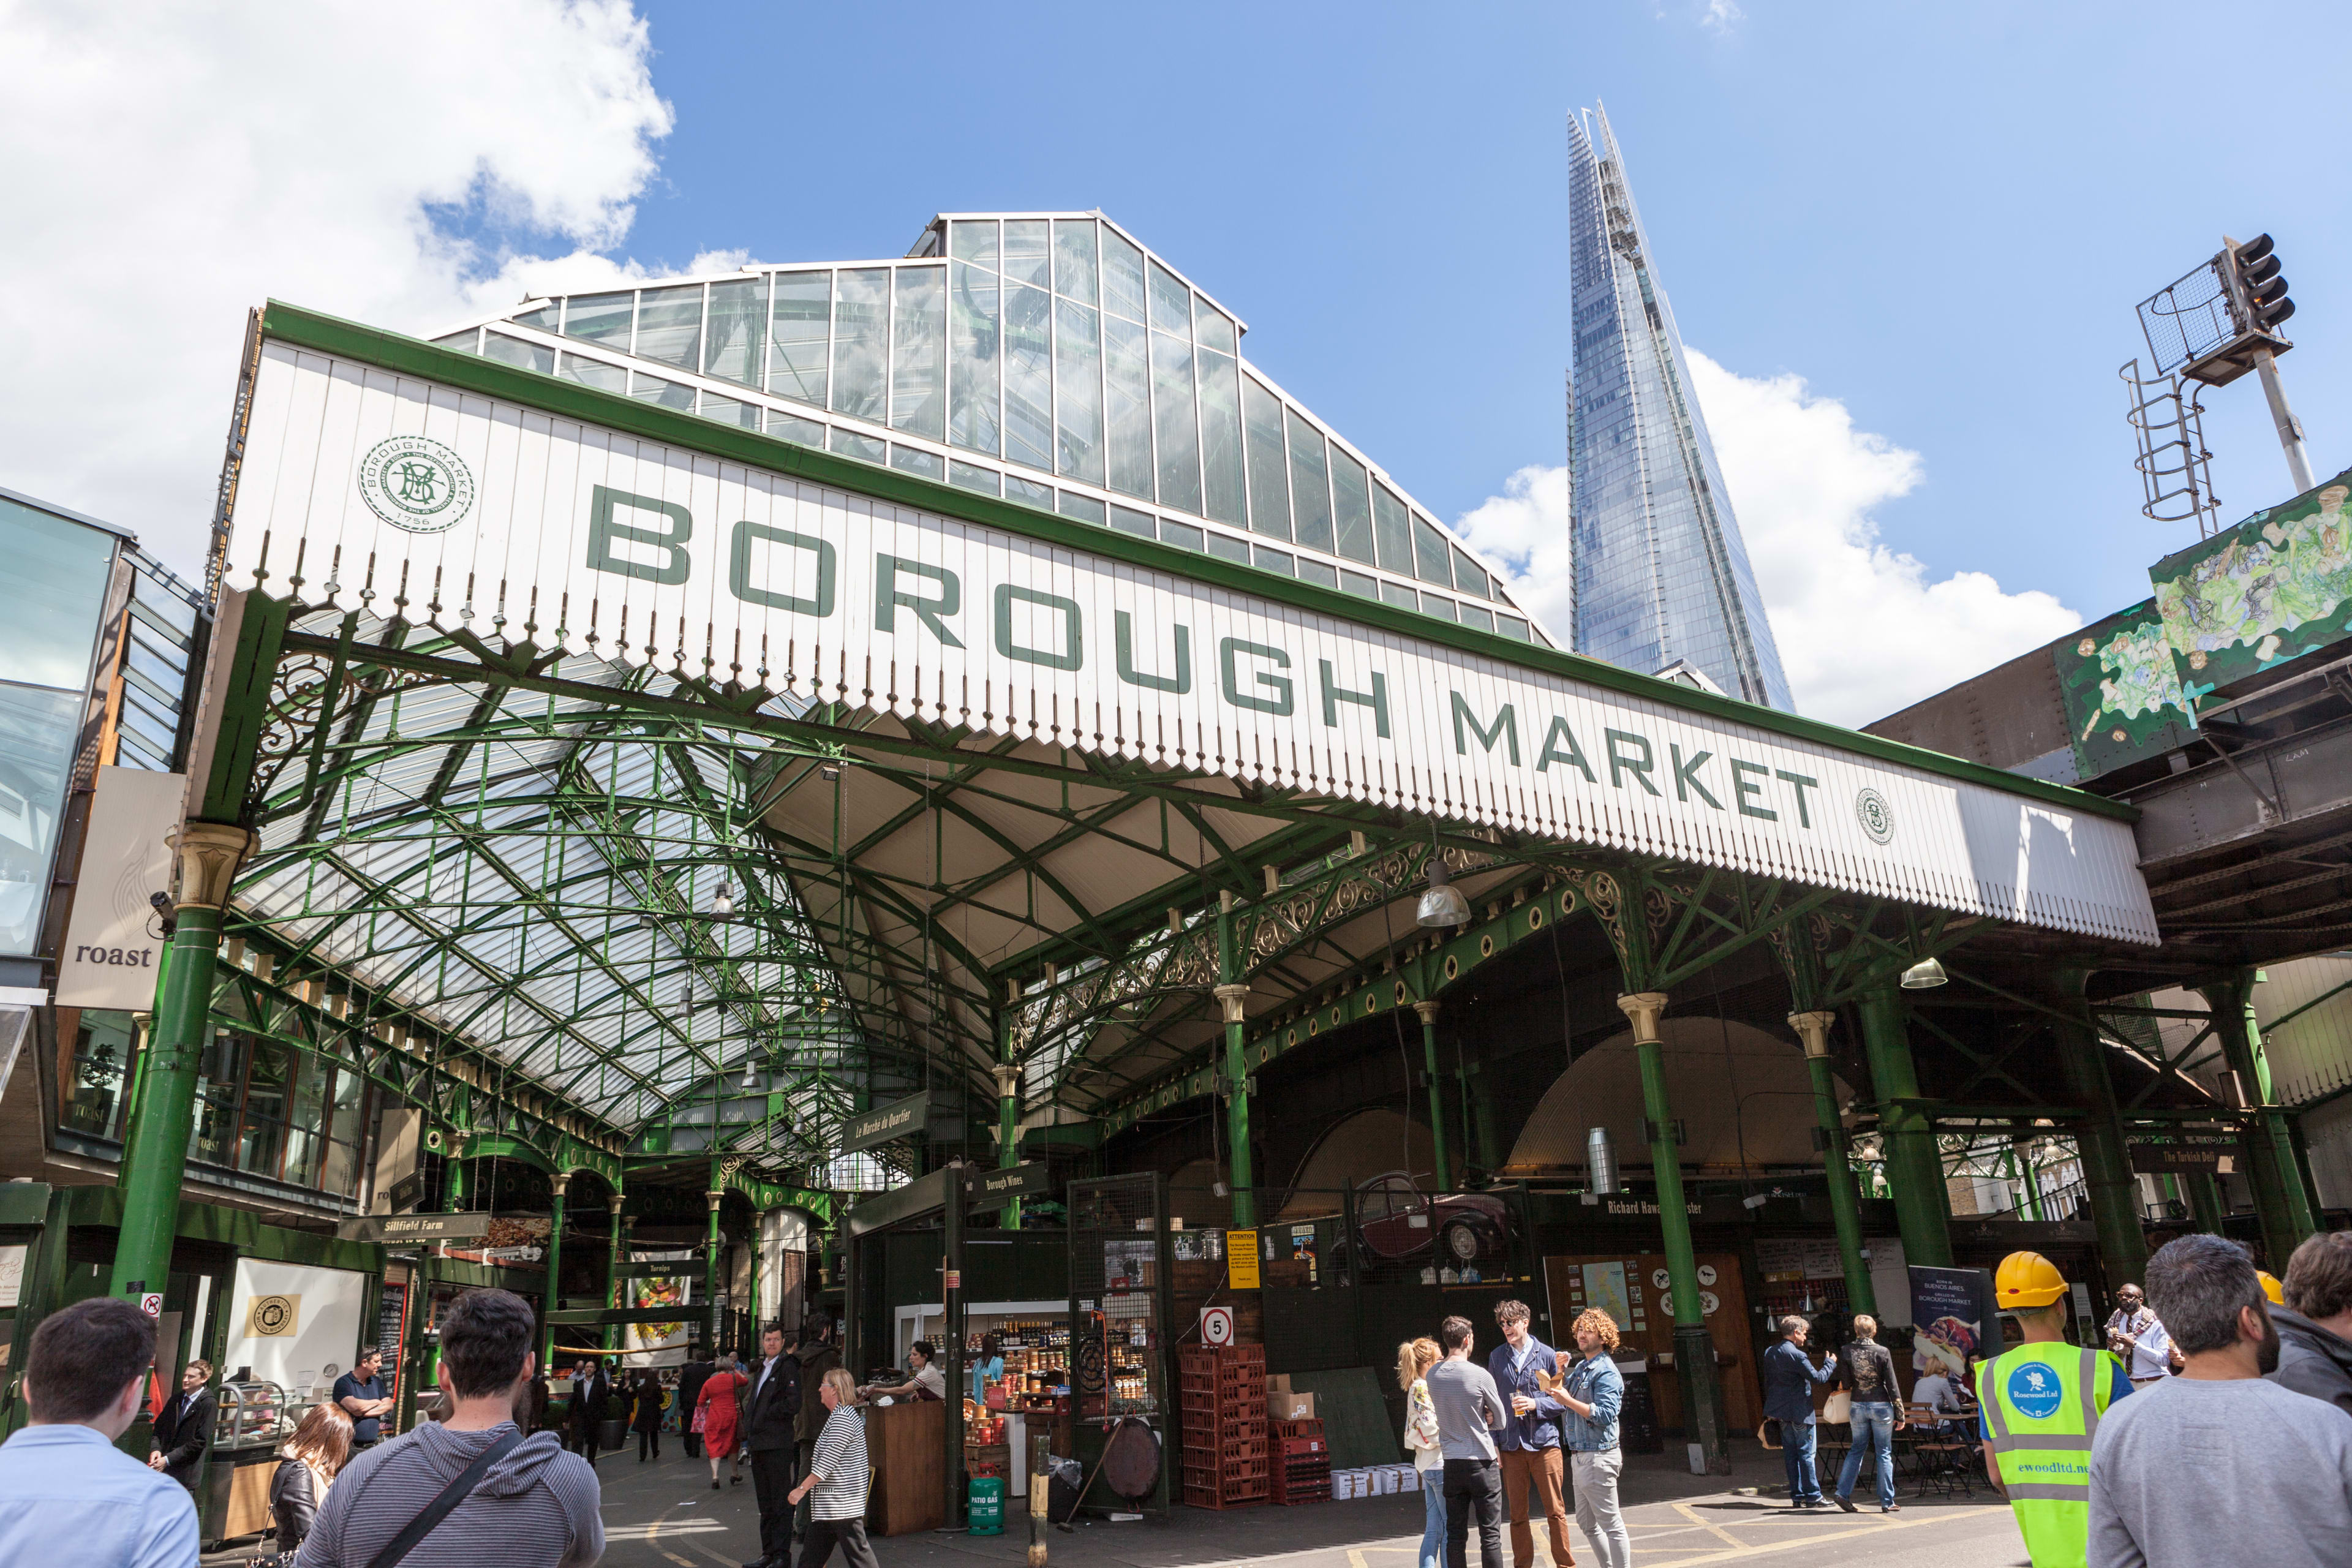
(1216, 1325)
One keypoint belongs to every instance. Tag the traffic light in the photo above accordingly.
(2260, 285)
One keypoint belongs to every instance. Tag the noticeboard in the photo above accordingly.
(1241, 1259)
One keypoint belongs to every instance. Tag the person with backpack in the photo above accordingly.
(472, 1489)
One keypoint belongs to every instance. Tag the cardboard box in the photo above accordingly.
(1277, 1382)
(1284, 1406)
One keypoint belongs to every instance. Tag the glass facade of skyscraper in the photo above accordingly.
(1662, 573)
(1047, 358)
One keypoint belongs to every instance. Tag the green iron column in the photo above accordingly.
(1915, 1170)
(553, 1295)
(2205, 1201)
(1008, 1130)
(1703, 1418)
(2024, 1147)
(453, 1186)
(2282, 1202)
(1487, 1140)
(710, 1274)
(1845, 1207)
(157, 1156)
(1428, 1011)
(1232, 996)
(613, 1268)
(2099, 1140)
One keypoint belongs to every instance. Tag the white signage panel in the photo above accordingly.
(113, 949)
(366, 489)
(295, 1325)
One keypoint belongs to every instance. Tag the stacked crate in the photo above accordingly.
(1301, 1462)
(1221, 1395)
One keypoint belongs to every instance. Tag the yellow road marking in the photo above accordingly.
(1767, 1548)
(1708, 1525)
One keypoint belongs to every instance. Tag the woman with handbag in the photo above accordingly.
(307, 1466)
(716, 1415)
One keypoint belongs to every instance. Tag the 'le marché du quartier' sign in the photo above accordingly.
(366, 489)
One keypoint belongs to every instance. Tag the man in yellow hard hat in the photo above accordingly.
(2041, 1402)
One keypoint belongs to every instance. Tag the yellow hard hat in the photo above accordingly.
(2027, 1279)
(2272, 1287)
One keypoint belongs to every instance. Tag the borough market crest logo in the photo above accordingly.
(1877, 816)
(416, 484)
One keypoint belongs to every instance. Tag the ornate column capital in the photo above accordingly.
(209, 854)
(1813, 1028)
(1428, 1011)
(1234, 997)
(613, 1204)
(713, 1198)
(561, 1183)
(1008, 1080)
(1643, 1007)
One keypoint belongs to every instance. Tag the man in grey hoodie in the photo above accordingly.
(2314, 1327)
(535, 1508)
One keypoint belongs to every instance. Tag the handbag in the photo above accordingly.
(700, 1413)
(1838, 1409)
(456, 1492)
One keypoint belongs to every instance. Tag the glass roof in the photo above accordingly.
(1045, 357)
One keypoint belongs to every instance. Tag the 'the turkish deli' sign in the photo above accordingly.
(886, 1123)
(362, 489)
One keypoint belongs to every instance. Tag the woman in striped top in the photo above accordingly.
(838, 1473)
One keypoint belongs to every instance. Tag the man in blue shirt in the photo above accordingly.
(360, 1393)
(67, 1493)
(1789, 1378)
(1530, 1440)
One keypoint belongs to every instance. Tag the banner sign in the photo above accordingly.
(993, 1189)
(1955, 1315)
(2192, 1156)
(114, 941)
(886, 1123)
(365, 489)
(406, 1228)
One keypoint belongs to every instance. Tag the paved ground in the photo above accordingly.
(664, 1515)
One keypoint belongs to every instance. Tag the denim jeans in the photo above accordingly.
(1874, 1424)
(1797, 1454)
(1433, 1519)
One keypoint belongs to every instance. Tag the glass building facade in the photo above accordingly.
(1662, 575)
(1047, 358)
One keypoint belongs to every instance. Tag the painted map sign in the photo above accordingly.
(2275, 587)
(366, 489)
(2122, 691)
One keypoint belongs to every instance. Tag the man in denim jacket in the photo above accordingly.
(1593, 1391)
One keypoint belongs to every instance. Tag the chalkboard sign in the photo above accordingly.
(1637, 1417)
(392, 1336)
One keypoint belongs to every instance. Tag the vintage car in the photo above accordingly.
(1395, 1220)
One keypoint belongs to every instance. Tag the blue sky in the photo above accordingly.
(1907, 240)
(1941, 217)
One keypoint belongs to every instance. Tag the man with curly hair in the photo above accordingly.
(1593, 1390)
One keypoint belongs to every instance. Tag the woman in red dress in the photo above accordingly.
(717, 1410)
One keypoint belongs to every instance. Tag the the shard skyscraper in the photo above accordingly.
(1662, 575)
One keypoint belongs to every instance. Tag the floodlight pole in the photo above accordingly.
(2290, 428)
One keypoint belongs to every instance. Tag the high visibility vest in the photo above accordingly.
(2041, 1405)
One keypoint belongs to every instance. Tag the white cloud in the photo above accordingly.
(1861, 629)
(169, 167)
(1721, 16)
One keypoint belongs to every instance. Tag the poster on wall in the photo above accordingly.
(1605, 1290)
(295, 1325)
(662, 1343)
(1956, 1316)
